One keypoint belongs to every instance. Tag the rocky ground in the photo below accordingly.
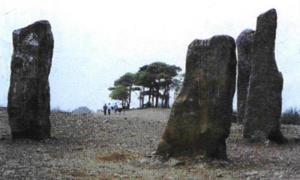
(93, 146)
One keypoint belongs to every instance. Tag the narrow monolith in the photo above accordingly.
(264, 101)
(200, 118)
(244, 44)
(29, 93)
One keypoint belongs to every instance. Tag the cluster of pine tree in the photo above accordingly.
(154, 83)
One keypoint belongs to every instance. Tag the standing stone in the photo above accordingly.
(29, 96)
(200, 119)
(244, 45)
(263, 108)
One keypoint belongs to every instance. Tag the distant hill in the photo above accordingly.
(82, 110)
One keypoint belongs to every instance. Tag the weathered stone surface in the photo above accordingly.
(200, 119)
(244, 45)
(263, 106)
(29, 96)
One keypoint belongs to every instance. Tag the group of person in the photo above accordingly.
(108, 108)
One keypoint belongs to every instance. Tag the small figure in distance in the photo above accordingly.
(108, 108)
(105, 109)
(116, 108)
(122, 108)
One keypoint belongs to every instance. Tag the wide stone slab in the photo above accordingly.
(200, 119)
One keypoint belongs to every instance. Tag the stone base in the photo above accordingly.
(31, 134)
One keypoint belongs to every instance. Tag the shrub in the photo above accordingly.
(290, 116)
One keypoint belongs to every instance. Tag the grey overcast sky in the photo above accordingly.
(97, 41)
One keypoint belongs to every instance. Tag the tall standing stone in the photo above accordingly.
(263, 108)
(29, 94)
(200, 119)
(244, 44)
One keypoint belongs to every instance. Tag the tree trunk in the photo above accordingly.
(163, 99)
(167, 97)
(129, 97)
(153, 95)
(157, 96)
(140, 99)
(143, 96)
(149, 95)
(167, 102)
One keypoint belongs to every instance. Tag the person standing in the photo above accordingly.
(116, 108)
(122, 108)
(105, 109)
(108, 108)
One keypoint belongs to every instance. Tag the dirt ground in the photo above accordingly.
(94, 146)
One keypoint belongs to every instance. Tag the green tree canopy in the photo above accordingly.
(126, 80)
(119, 93)
(154, 80)
(157, 76)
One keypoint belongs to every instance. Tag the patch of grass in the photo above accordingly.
(73, 173)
